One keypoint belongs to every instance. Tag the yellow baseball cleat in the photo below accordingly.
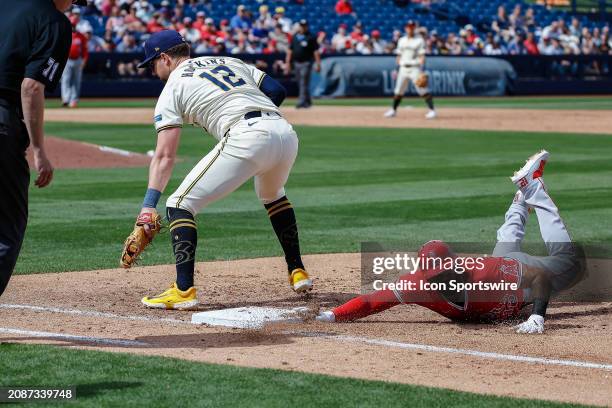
(299, 281)
(173, 298)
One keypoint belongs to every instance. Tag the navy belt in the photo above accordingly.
(252, 115)
(256, 114)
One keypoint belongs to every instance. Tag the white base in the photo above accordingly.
(251, 317)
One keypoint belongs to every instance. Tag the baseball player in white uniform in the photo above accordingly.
(238, 105)
(411, 63)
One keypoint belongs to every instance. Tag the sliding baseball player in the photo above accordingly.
(238, 105)
(535, 278)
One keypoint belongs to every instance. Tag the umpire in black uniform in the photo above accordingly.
(303, 52)
(34, 47)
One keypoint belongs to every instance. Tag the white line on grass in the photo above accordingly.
(91, 313)
(71, 337)
(451, 350)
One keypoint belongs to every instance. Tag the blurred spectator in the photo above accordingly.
(575, 27)
(144, 11)
(357, 33)
(587, 46)
(128, 44)
(265, 19)
(516, 19)
(282, 19)
(502, 18)
(208, 32)
(94, 43)
(378, 44)
(339, 39)
(115, 22)
(469, 34)
(75, 19)
(190, 33)
(154, 25)
(344, 7)
(280, 38)
(531, 45)
(241, 20)
(200, 20)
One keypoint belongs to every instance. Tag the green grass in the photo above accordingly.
(107, 379)
(349, 185)
(585, 102)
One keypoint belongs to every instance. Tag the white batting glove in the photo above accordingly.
(326, 316)
(533, 325)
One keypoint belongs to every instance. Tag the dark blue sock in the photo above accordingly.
(184, 237)
(283, 221)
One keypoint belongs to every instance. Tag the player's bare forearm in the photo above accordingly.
(33, 104)
(164, 158)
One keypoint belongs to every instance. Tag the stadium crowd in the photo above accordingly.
(125, 24)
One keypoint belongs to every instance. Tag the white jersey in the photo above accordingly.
(211, 92)
(410, 49)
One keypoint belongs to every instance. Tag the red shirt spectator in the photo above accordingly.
(208, 31)
(344, 7)
(200, 20)
(357, 33)
(78, 48)
(530, 45)
(154, 25)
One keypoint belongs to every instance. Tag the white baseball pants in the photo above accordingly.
(562, 261)
(404, 77)
(264, 148)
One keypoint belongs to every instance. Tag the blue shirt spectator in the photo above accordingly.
(242, 20)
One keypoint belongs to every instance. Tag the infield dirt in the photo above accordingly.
(529, 120)
(580, 332)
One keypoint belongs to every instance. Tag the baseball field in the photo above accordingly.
(70, 317)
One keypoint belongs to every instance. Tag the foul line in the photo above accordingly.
(71, 337)
(327, 336)
(451, 350)
(91, 313)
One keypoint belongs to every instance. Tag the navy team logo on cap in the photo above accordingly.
(158, 43)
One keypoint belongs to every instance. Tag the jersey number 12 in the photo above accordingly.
(227, 75)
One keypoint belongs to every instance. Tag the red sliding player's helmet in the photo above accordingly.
(434, 255)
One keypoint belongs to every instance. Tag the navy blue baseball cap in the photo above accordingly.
(158, 43)
(79, 2)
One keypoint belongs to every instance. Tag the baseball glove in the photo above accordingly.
(422, 81)
(147, 226)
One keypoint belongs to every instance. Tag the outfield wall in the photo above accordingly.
(115, 75)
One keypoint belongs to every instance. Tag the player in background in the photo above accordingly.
(411, 65)
(73, 73)
(238, 105)
(537, 277)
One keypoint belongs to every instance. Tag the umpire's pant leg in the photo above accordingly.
(14, 181)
